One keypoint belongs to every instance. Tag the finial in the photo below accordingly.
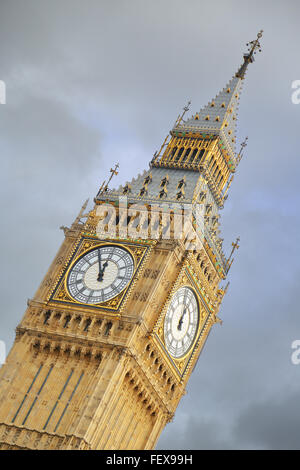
(104, 185)
(80, 215)
(235, 246)
(223, 290)
(253, 47)
(240, 154)
(185, 109)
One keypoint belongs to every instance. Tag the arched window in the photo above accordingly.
(181, 183)
(174, 150)
(47, 316)
(164, 181)
(185, 156)
(143, 191)
(195, 151)
(179, 154)
(67, 320)
(200, 155)
(87, 324)
(108, 327)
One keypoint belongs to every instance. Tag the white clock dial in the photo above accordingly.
(181, 322)
(100, 274)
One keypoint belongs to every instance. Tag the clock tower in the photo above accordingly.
(104, 351)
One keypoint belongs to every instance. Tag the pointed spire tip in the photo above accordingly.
(253, 47)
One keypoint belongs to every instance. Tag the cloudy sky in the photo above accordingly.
(94, 82)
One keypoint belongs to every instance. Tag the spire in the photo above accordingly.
(253, 46)
(219, 116)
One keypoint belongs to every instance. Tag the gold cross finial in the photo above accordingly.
(253, 47)
(235, 246)
(114, 171)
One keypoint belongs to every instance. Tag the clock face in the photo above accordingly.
(100, 274)
(181, 322)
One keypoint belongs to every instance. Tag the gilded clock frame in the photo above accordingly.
(60, 293)
(198, 321)
(182, 365)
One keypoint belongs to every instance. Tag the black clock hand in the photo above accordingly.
(183, 313)
(101, 272)
(104, 266)
(100, 275)
(106, 262)
(181, 320)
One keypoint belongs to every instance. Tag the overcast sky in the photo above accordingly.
(91, 83)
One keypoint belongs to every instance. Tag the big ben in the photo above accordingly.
(107, 344)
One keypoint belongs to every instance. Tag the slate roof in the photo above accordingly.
(219, 116)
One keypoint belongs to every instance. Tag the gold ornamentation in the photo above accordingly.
(86, 244)
(181, 366)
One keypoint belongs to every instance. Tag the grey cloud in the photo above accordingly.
(92, 83)
(271, 424)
